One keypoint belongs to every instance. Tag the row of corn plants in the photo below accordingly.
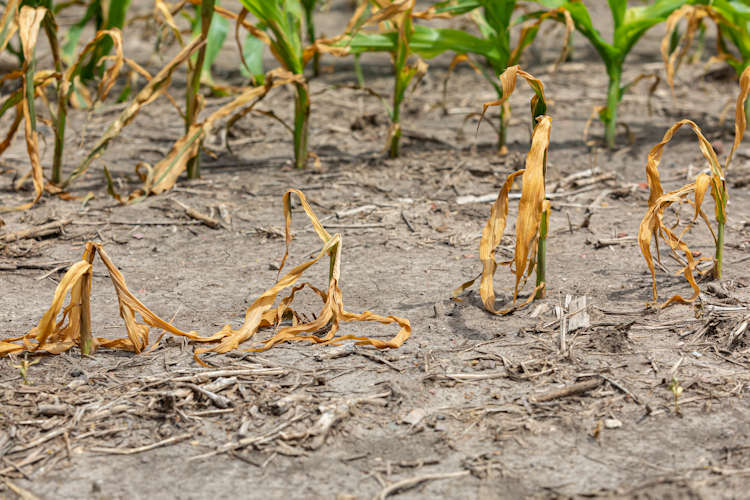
(377, 25)
(286, 29)
(54, 335)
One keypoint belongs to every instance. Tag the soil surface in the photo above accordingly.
(472, 405)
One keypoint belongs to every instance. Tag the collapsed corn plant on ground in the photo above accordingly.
(471, 404)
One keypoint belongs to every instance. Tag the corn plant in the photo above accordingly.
(732, 20)
(653, 226)
(309, 9)
(394, 36)
(54, 336)
(279, 27)
(532, 224)
(630, 24)
(215, 38)
(192, 99)
(494, 21)
(399, 36)
(28, 22)
(106, 15)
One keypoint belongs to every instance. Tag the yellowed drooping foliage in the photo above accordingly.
(65, 326)
(694, 17)
(165, 173)
(156, 87)
(29, 21)
(532, 206)
(653, 226)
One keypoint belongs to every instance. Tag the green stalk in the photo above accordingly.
(541, 254)
(29, 88)
(394, 148)
(719, 250)
(193, 89)
(86, 338)
(359, 73)
(502, 132)
(116, 12)
(50, 28)
(613, 100)
(309, 8)
(301, 120)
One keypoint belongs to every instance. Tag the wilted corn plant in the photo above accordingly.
(55, 335)
(494, 21)
(105, 16)
(630, 24)
(394, 33)
(532, 223)
(732, 20)
(28, 22)
(653, 226)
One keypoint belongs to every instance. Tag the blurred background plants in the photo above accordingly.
(88, 58)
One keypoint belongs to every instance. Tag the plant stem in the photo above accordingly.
(403, 75)
(194, 85)
(719, 250)
(86, 339)
(541, 254)
(502, 133)
(394, 148)
(309, 8)
(358, 71)
(50, 28)
(301, 120)
(613, 100)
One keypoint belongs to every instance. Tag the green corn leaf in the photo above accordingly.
(217, 34)
(252, 51)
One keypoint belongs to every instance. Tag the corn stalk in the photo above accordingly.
(193, 98)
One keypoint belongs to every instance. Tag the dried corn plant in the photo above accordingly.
(533, 209)
(653, 226)
(73, 328)
(731, 20)
(28, 23)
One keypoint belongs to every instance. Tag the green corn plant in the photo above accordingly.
(630, 24)
(193, 98)
(401, 38)
(494, 21)
(309, 8)
(215, 38)
(403, 72)
(105, 15)
(493, 46)
(279, 26)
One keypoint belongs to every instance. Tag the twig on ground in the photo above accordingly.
(200, 216)
(569, 390)
(408, 483)
(22, 493)
(141, 449)
(408, 224)
(622, 388)
(378, 359)
(48, 229)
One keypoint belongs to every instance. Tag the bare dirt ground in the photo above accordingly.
(472, 406)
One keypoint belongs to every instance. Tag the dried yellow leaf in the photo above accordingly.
(55, 336)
